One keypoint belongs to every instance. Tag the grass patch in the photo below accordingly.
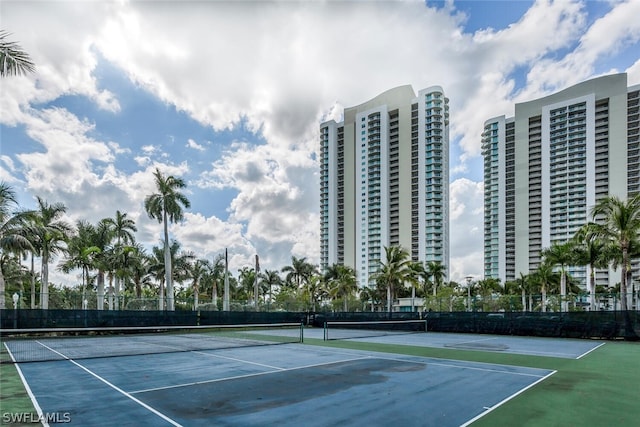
(13, 396)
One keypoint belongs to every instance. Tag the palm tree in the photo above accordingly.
(436, 270)
(198, 271)
(247, 279)
(29, 231)
(180, 259)
(166, 206)
(591, 252)
(417, 272)
(369, 295)
(121, 258)
(486, 288)
(13, 60)
(523, 283)
(299, 272)
(316, 289)
(617, 222)
(217, 277)
(121, 229)
(271, 278)
(544, 277)
(101, 239)
(560, 254)
(81, 253)
(140, 270)
(12, 239)
(393, 272)
(344, 285)
(52, 233)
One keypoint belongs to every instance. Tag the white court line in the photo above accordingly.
(478, 340)
(116, 388)
(472, 368)
(235, 359)
(593, 349)
(505, 400)
(255, 374)
(34, 401)
(448, 365)
(221, 357)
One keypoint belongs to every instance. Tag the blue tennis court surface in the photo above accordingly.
(285, 385)
(533, 346)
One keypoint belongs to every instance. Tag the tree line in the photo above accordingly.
(111, 263)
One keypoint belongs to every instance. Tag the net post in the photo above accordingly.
(326, 332)
(301, 331)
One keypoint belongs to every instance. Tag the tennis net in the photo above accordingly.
(34, 345)
(338, 330)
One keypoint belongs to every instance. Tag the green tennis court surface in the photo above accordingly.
(356, 382)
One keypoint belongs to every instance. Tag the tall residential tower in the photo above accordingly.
(384, 180)
(548, 165)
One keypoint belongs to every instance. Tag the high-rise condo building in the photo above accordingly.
(547, 166)
(384, 180)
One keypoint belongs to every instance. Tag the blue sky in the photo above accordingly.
(229, 96)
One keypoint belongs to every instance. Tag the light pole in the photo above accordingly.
(16, 302)
(469, 279)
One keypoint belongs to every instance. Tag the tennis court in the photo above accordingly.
(287, 384)
(534, 346)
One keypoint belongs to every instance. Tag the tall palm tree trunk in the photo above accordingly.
(524, 300)
(44, 287)
(116, 293)
(629, 282)
(413, 298)
(33, 282)
(389, 299)
(2, 289)
(563, 291)
(161, 296)
(629, 332)
(214, 294)
(592, 289)
(110, 292)
(544, 299)
(167, 265)
(100, 291)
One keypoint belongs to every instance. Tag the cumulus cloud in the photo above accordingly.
(69, 155)
(633, 73)
(192, 144)
(466, 204)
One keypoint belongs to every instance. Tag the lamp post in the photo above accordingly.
(16, 302)
(469, 279)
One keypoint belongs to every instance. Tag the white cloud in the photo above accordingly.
(633, 73)
(8, 162)
(466, 204)
(192, 144)
(617, 29)
(69, 155)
